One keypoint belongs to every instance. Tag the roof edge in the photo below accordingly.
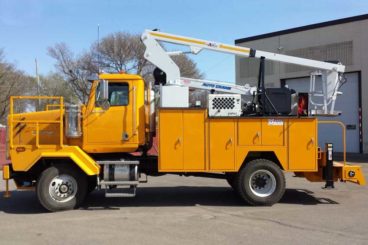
(303, 28)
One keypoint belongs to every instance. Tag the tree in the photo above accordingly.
(12, 82)
(75, 70)
(188, 68)
(120, 51)
(54, 84)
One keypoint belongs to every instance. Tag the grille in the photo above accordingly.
(223, 103)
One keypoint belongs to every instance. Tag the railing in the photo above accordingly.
(53, 107)
(37, 123)
(343, 128)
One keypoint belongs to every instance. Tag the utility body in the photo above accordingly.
(66, 151)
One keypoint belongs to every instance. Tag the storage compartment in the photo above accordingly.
(222, 144)
(302, 144)
(249, 132)
(174, 96)
(181, 140)
(194, 139)
(170, 140)
(273, 131)
(265, 132)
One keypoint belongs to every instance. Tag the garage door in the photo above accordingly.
(348, 103)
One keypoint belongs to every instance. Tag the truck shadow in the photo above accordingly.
(191, 196)
(25, 202)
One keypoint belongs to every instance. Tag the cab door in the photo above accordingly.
(112, 128)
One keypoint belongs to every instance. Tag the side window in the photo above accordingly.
(118, 94)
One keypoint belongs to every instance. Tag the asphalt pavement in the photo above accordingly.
(190, 210)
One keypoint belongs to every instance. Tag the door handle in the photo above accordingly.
(258, 135)
(178, 142)
(311, 142)
(229, 142)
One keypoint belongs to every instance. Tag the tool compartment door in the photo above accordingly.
(222, 144)
(249, 132)
(302, 144)
(194, 139)
(171, 140)
(273, 131)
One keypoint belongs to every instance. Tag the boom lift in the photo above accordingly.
(66, 151)
(331, 73)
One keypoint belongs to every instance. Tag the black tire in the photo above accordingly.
(260, 182)
(230, 178)
(56, 188)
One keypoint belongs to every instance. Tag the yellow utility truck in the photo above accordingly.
(246, 135)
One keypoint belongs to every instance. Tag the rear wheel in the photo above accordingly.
(260, 182)
(61, 188)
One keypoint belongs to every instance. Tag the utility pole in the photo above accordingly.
(38, 86)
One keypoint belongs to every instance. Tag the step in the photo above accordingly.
(141, 180)
(113, 194)
(121, 194)
(118, 162)
(103, 182)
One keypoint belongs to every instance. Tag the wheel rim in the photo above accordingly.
(262, 183)
(63, 188)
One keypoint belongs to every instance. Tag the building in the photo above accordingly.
(3, 159)
(344, 40)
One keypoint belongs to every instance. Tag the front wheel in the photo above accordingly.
(260, 182)
(61, 188)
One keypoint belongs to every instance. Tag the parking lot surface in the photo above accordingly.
(191, 210)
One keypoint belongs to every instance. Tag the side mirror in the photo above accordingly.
(104, 90)
(103, 96)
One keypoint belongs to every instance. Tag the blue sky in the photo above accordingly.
(28, 27)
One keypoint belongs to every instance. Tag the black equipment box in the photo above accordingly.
(277, 101)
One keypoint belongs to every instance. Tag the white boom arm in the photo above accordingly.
(215, 85)
(157, 55)
(162, 59)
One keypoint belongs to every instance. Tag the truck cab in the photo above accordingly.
(114, 122)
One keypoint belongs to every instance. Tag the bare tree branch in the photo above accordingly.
(120, 51)
(12, 82)
(75, 70)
